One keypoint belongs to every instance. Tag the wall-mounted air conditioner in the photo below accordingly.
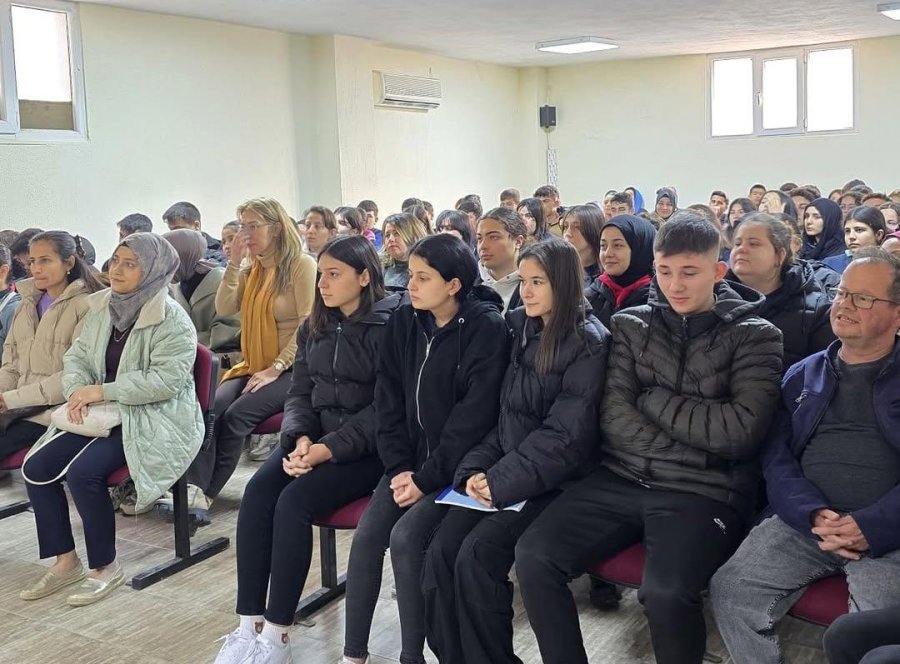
(403, 91)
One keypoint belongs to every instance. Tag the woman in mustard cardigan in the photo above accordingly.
(273, 293)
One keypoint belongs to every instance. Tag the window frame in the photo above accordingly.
(758, 57)
(10, 121)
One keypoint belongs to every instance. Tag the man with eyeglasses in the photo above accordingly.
(832, 469)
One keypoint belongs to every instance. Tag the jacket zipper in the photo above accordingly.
(682, 358)
(428, 343)
(334, 359)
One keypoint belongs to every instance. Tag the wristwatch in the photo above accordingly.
(281, 366)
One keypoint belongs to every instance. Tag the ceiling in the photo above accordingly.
(505, 31)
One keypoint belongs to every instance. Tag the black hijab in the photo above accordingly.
(830, 241)
(639, 234)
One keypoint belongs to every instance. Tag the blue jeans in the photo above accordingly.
(407, 532)
(769, 573)
(86, 478)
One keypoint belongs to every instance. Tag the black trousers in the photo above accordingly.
(19, 435)
(274, 529)
(868, 637)
(468, 595)
(237, 415)
(687, 537)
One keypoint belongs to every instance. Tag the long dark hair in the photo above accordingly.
(459, 222)
(590, 224)
(533, 205)
(560, 262)
(352, 217)
(65, 247)
(451, 258)
(357, 252)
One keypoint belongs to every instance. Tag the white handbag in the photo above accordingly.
(101, 418)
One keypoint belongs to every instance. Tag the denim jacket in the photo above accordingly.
(806, 391)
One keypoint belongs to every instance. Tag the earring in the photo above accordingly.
(68, 272)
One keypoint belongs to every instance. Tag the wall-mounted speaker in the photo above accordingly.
(547, 116)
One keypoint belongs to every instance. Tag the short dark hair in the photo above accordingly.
(719, 192)
(511, 193)
(813, 188)
(509, 219)
(451, 258)
(470, 204)
(182, 210)
(368, 206)
(855, 195)
(706, 211)
(20, 246)
(852, 183)
(759, 186)
(135, 223)
(876, 194)
(686, 233)
(862, 189)
(458, 221)
(876, 255)
(622, 197)
(870, 216)
(546, 190)
(410, 202)
(788, 186)
(803, 192)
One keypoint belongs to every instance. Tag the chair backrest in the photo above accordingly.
(206, 372)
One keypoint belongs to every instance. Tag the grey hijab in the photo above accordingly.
(158, 261)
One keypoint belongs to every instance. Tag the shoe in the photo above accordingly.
(198, 505)
(261, 446)
(347, 660)
(128, 499)
(93, 590)
(50, 583)
(264, 651)
(604, 596)
(236, 647)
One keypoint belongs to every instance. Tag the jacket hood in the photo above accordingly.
(798, 279)
(638, 199)
(28, 291)
(734, 300)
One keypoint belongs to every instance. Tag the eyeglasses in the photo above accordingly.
(252, 228)
(860, 300)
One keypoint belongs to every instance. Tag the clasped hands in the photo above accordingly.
(406, 493)
(306, 456)
(838, 534)
(81, 399)
(478, 489)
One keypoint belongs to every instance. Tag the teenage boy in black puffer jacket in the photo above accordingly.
(691, 387)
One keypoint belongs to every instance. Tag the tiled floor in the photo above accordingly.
(180, 619)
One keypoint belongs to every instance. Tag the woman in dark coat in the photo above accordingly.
(626, 255)
(327, 456)
(547, 434)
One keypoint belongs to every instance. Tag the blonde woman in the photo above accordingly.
(273, 293)
(401, 231)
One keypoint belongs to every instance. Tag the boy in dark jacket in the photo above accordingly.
(691, 386)
(832, 467)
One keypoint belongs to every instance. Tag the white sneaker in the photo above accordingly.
(236, 646)
(266, 652)
(347, 660)
(262, 445)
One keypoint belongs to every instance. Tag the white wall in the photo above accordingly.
(177, 109)
(643, 122)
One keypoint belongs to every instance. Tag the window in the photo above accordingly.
(41, 85)
(782, 92)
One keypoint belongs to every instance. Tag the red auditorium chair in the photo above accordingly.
(271, 424)
(824, 601)
(14, 462)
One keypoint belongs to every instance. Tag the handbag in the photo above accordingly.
(101, 418)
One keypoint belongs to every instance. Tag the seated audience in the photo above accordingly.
(547, 434)
(437, 393)
(273, 294)
(510, 198)
(47, 321)
(471, 206)
(456, 223)
(350, 221)
(581, 228)
(875, 199)
(718, 203)
(802, 197)
(531, 211)
(136, 352)
(187, 215)
(134, 223)
(823, 233)
(401, 231)
(738, 208)
(321, 226)
(620, 202)
(21, 253)
(194, 287)
(796, 303)
(372, 232)
(327, 457)
(500, 237)
(691, 384)
(849, 200)
(548, 195)
(835, 505)
(827, 278)
(9, 298)
(776, 201)
(229, 230)
(666, 203)
(756, 194)
(865, 637)
(637, 200)
(891, 212)
(626, 254)
(891, 244)
(863, 227)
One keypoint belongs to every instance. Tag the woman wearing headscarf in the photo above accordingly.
(194, 288)
(626, 255)
(823, 230)
(666, 203)
(136, 350)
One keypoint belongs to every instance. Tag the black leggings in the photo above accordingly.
(274, 529)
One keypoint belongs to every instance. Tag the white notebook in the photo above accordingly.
(450, 496)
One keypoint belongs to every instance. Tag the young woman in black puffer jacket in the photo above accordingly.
(327, 456)
(796, 302)
(547, 433)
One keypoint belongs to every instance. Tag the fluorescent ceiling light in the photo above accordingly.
(575, 45)
(891, 10)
